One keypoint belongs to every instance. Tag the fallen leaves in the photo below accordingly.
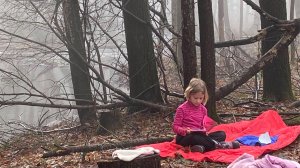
(25, 151)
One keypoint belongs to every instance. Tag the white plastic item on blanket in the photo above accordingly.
(130, 154)
(264, 138)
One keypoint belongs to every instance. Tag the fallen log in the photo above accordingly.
(100, 147)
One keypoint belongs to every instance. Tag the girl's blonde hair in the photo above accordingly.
(196, 85)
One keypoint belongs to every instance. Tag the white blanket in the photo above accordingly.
(130, 154)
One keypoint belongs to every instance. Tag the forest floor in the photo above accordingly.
(26, 150)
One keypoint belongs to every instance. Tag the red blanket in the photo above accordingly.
(268, 121)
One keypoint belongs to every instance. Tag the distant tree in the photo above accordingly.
(188, 41)
(297, 9)
(143, 77)
(241, 18)
(208, 61)
(221, 17)
(293, 45)
(277, 75)
(228, 31)
(77, 55)
(177, 24)
(223, 27)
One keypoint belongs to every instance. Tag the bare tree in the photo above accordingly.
(188, 41)
(177, 24)
(241, 18)
(276, 76)
(224, 27)
(143, 77)
(208, 53)
(77, 54)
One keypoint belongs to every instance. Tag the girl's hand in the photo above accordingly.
(188, 130)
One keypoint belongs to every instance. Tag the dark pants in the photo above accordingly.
(200, 138)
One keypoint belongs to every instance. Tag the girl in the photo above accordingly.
(190, 122)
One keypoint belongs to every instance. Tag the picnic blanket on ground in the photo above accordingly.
(269, 121)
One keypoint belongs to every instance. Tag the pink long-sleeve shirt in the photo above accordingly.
(189, 116)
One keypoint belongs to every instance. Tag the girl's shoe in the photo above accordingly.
(228, 145)
(197, 148)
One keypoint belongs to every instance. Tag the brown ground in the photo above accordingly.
(26, 150)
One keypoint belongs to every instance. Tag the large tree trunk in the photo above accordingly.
(188, 41)
(143, 79)
(77, 55)
(148, 161)
(277, 75)
(208, 53)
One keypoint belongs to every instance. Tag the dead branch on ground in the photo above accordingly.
(100, 147)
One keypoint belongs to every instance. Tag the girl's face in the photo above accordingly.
(196, 98)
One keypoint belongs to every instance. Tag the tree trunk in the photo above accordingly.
(77, 55)
(297, 8)
(221, 20)
(241, 18)
(293, 45)
(161, 29)
(277, 75)
(177, 24)
(228, 30)
(208, 53)
(149, 161)
(188, 41)
(225, 60)
(143, 78)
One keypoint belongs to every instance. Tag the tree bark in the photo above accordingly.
(188, 41)
(277, 75)
(143, 78)
(77, 56)
(208, 61)
(148, 161)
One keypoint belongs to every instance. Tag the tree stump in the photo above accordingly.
(149, 161)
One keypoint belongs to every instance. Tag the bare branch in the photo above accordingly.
(285, 40)
(264, 13)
